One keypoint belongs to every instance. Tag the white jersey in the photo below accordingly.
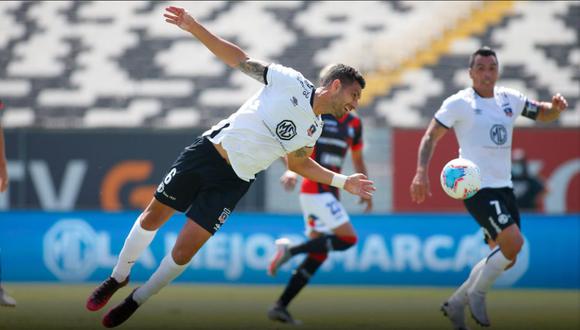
(483, 127)
(278, 120)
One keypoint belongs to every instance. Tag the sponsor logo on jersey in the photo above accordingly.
(294, 100)
(498, 134)
(286, 130)
(478, 111)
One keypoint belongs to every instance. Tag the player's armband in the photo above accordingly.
(531, 109)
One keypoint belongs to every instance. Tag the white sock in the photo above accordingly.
(135, 243)
(167, 271)
(460, 295)
(494, 266)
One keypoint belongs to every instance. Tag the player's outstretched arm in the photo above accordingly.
(226, 51)
(420, 185)
(356, 184)
(551, 111)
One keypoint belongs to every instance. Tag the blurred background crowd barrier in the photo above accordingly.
(411, 250)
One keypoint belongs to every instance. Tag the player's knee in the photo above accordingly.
(345, 242)
(513, 247)
(180, 256)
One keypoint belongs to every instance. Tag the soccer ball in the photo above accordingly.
(460, 178)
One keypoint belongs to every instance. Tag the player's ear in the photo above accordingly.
(335, 85)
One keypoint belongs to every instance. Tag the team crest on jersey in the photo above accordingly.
(507, 109)
(286, 130)
(312, 130)
(312, 220)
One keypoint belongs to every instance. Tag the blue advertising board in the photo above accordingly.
(410, 250)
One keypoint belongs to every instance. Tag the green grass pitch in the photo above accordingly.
(182, 306)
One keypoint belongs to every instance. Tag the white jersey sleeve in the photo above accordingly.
(277, 75)
(451, 110)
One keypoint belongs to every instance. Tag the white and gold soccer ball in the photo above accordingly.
(460, 178)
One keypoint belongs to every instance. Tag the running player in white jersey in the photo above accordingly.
(210, 176)
(483, 117)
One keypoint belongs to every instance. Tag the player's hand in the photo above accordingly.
(288, 180)
(358, 184)
(368, 202)
(559, 103)
(420, 187)
(178, 16)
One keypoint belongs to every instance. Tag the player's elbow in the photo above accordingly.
(296, 166)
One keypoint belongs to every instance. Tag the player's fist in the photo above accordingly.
(559, 103)
(288, 180)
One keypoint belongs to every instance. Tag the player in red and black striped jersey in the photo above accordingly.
(338, 136)
(326, 221)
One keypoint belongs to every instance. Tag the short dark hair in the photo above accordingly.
(483, 51)
(346, 74)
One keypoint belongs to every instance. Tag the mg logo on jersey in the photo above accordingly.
(286, 130)
(498, 134)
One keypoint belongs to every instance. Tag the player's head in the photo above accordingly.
(346, 74)
(483, 68)
(344, 84)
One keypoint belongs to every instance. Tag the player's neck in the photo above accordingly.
(485, 93)
(318, 105)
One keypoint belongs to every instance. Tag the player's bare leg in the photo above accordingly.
(138, 239)
(190, 240)
(302, 275)
(343, 238)
(510, 242)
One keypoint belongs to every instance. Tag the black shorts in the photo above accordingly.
(494, 209)
(203, 185)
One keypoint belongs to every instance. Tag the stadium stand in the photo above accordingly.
(69, 64)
